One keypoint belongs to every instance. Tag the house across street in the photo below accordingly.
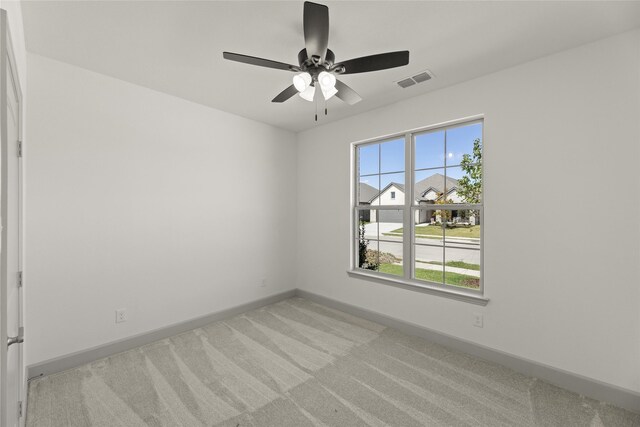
(428, 191)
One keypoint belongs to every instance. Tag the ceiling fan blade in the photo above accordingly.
(285, 94)
(261, 62)
(347, 94)
(381, 61)
(316, 30)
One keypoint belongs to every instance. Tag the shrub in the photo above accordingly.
(364, 258)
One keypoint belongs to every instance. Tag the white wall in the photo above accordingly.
(14, 16)
(139, 200)
(561, 269)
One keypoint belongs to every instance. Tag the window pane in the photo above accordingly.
(423, 217)
(367, 253)
(389, 221)
(463, 229)
(368, 157)
(392, 156)
(429, 246)
(364, 217)
(462, 267)
(464, 186)
(429, 232)
(391, 183)
(428, 263)
(384, 222)
(371, 227)
(368, 190)
(429, 186)
(390, 258)
(390, 224)
(429, 150)
(390, 245)
(460, 142)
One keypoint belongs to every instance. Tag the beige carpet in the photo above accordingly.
(296, 363)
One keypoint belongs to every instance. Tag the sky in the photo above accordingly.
(387, 158)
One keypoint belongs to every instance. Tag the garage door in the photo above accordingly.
(390, 216)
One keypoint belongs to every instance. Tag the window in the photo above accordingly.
(418, 208)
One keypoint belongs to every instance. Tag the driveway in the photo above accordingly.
(371, 230)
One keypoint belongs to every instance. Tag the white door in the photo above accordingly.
(11, 382)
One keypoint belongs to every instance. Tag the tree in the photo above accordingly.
(445, 215)
(470, 185)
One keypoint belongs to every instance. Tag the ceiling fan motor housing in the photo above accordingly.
(307, 64)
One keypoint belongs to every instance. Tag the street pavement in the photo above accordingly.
(464, 249)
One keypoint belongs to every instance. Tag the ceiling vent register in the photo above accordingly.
(418, 78)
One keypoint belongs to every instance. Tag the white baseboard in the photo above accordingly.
(82, 357)
(624, 398)
(627, 399)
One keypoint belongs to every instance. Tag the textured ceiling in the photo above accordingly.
(176, 47)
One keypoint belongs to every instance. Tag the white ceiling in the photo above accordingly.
(176, 47)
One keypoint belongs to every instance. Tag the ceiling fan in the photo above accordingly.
(317, 66)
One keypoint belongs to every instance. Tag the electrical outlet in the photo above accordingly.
(121, 315)
(263, 283)
(478, 320)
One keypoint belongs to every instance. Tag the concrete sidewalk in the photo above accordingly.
(426, 266)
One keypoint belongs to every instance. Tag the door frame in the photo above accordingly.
(7, 59)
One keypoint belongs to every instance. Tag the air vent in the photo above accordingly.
(406, 82)
(422, 77)
(418, 78)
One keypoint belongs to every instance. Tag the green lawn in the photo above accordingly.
(459, 264)
(434, 276)
(435, 231)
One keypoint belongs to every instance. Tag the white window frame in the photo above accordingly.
(475, 296)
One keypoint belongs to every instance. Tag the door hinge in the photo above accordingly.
(19, 279)
(19, 148)
(20, 409)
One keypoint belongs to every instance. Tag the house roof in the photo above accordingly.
(435, 182)
(366, 193)
(393, 184)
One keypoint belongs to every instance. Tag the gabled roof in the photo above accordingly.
(366, 193)
(391, 184)
(434, 182)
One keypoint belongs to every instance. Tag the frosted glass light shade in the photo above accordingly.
(308, 93)
(328, 92)
(326, 80)
(301, 81)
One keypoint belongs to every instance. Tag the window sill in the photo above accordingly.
(459, 295)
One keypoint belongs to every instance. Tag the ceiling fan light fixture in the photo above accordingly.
(326, 80)
(316, 67)
(302, 81)
(328, 92)
(308, 93)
